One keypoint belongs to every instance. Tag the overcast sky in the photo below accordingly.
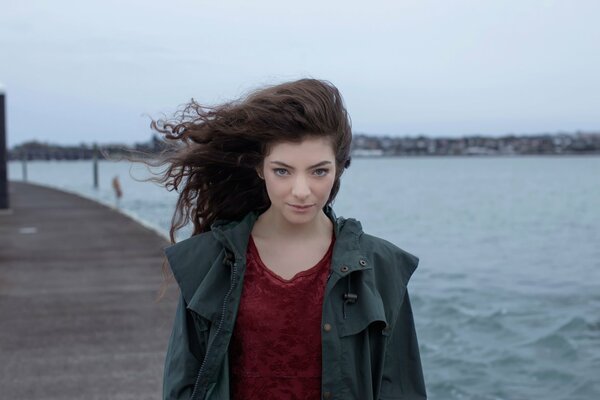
(84, 71)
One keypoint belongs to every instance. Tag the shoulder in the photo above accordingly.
(387, 258)
(191, 259)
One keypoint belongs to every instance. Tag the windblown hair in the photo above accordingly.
(213, 152)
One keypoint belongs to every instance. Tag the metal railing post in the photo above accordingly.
(95, 158)
(3, 155)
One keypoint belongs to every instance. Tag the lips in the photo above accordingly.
(301, 207)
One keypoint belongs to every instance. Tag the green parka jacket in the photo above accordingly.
(369, 343)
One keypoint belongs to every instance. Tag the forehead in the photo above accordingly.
(309, 149)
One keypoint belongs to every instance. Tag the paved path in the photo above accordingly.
(78, 316)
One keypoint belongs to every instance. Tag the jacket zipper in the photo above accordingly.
(223, 309)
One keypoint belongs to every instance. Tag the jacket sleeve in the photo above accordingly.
(181, 366)
(402, 371)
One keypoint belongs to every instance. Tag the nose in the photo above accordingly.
(300, 190)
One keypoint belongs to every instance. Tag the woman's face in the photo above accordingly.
(299, 178)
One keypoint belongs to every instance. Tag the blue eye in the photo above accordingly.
(321, 171)
(280, 171)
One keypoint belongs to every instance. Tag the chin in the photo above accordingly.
(300, 217)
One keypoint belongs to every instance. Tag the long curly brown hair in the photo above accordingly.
(213, 152)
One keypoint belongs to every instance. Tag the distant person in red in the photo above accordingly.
(117, 188)
(279, 297)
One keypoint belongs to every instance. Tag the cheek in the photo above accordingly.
(275, 187)
(326, 186)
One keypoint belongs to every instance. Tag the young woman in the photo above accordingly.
(279, 298)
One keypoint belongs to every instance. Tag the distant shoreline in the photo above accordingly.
(563, 144)
(383, 156)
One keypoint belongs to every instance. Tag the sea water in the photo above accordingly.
(506, 297)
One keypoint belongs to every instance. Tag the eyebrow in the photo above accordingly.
(312, 166)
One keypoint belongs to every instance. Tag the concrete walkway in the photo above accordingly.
(78, 316)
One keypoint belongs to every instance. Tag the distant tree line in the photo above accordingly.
(35, 150)
(563, 143)
(362, 145)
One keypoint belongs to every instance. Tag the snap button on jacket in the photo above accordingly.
(369, 343)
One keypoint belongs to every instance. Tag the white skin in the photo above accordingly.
(302, 174)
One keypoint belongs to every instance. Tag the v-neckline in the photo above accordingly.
(298, 274)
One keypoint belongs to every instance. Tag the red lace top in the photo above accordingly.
(275, 349)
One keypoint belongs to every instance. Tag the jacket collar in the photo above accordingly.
(235, 236)
(196, 263)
